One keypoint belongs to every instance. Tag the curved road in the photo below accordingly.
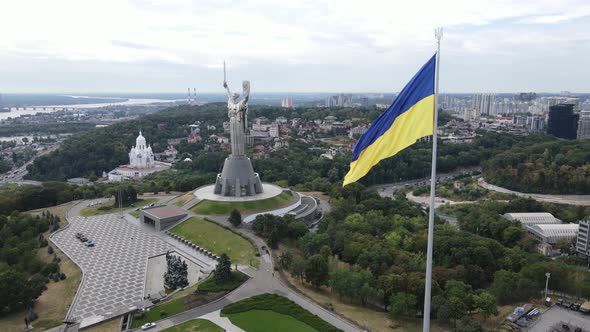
(261, 281)
(583, 200)
(387, 189)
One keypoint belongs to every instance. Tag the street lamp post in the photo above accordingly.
(547, 284)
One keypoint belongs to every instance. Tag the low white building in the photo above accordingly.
(532, 218)
(141, 163)
(551, 233)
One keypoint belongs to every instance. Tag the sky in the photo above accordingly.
(103, 46)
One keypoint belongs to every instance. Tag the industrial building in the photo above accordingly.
(532, 218)
(551, 233)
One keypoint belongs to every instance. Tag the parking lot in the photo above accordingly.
(557, 314)
(114, 268)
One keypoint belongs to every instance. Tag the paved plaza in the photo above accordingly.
(114, 269)
(557, 314)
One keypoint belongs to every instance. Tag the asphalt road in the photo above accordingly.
(387, 189)
(583, 200)
(16, 176)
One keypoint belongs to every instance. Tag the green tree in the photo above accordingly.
(297, 267)
(273, 239)
(326, 252)
(563, 245)
(235, 218)
(311, 243)
(486, 303)
(403, 305)
(222, 273)
(285, 260)
(317, 271)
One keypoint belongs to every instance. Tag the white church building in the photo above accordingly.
(141, 163)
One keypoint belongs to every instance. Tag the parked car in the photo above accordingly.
(147, 326)
(89, 243)
(81, 237)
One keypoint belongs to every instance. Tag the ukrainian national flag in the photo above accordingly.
(409, 118)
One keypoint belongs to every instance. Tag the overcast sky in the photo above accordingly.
(292, 46)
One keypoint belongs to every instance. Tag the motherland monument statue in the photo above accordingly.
(237, 177)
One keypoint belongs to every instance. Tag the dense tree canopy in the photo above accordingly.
(22, 274)
(557, 167)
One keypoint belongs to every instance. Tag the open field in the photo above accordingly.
(108, 207)
(197, 325)
(54, 303)
(218, 240)
(207, 207)
(268, 321)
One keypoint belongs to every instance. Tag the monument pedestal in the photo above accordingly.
(237, 178)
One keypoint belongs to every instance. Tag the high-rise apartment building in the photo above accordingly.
(584, 124)
(535, 123)
(562, 122)
(287, 102)
(341, 100)
(583, 239)
(484, 104)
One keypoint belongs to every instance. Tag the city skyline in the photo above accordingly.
(320, 46)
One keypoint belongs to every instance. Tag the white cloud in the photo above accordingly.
(289, 33)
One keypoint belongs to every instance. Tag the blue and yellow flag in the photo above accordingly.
(409, 118)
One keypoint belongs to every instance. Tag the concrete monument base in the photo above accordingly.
(237, 179)
(208, 193)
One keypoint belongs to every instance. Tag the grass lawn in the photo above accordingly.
(161, 311)
(271, 312)
(58, 210)
(180, 201)
(206, 207)
(218, 240)
(54, 302)
(197, 325)
(200, 325)
(109, 325)
(108, 207)
(209, 284)
(268, 321)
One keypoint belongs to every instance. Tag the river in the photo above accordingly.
(16, 112)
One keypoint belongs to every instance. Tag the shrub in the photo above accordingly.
(237, 278)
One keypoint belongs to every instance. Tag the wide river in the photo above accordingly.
(14, 112)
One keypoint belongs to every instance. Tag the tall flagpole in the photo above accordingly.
(438, 32)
